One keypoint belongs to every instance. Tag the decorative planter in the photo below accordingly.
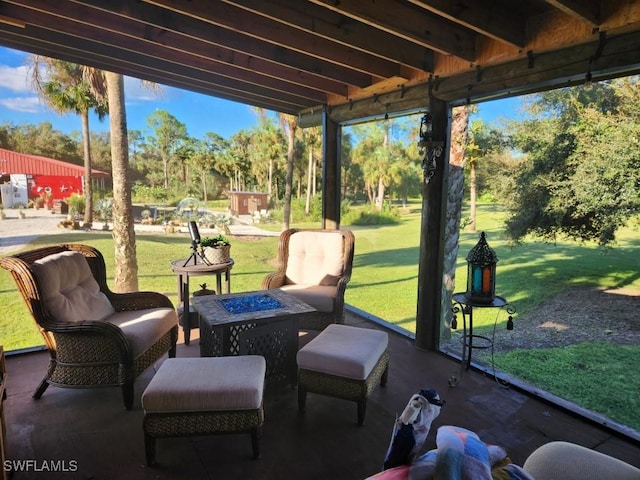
(215, 255)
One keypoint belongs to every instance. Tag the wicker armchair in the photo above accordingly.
(107, 341)
(315, 266)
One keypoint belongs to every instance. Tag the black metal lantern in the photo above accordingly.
(481, 273)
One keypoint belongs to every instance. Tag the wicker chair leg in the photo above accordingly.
(302, 398)
(172, 351)
(150, 449)
(362, 410)
(127, 395)
(41, 388)
(385, 376)
(255, 442)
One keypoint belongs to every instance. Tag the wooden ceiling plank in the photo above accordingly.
(230, 17)
(119, 25)
(411, 23)
(586, 10)
(488, 17)
(550, 69)
(333, 26)
(232, 41)
(12, 40)
(66, 42)
(184, 58)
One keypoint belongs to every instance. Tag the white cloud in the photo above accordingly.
(14, 78)
(22, 104)
(136, 91)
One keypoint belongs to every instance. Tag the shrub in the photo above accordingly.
(370, 216)
(76, 204)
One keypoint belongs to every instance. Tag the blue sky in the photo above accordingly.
(200, 113)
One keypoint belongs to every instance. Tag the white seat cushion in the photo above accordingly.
(144, 328)
(345, 351)
(315, 258)
(320, 297)
(69, 291)
(206, 385)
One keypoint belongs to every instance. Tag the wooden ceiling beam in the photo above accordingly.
(586, 10)
(304, 65)
(238, 20)
(411, 23)
(339, 28)
(12, 40)
(135, 64)
(545, 70)
(131, 33)
(495, 20)
(86, 32)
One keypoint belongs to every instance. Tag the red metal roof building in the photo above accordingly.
(26, 177)
(14, 162)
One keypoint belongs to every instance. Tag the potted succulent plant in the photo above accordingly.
(216, 249)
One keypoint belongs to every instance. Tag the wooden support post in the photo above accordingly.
(430, 268)
(331, 133)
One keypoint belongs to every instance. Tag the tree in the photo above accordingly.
(455, 195)
(63, 86)
(206, 155)
(124, 237)
(265, 149)
(582, 172)
(237, 156)
(289, 123)
(483, 141)
(168, 135)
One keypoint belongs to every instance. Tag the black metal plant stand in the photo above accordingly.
(462, 304)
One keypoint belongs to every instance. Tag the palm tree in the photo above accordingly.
(63, 86)
(289, 123)
(124, 237)
(109, 88)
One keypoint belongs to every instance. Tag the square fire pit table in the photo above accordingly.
(263, 323)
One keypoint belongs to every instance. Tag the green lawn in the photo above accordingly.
(384, 283)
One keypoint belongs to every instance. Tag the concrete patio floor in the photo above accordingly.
(91, 430)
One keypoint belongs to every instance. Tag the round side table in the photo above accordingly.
(184, 271)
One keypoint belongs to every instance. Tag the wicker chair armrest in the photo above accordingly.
(138, 301)
(96, 327)
(273, 280)
(340, 289)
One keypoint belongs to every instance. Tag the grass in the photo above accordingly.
(254, 259)
(384, 283)
(599, 376)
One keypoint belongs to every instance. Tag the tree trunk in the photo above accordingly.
(165, 170)
(473, 192)
(314, 176)
(307, 205)
(455, 194)
(270, 178)
(204, 185)
(88, 181)
(292, 124)
(124, 238)
(380, 195)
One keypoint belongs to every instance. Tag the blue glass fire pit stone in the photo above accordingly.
(250, 303)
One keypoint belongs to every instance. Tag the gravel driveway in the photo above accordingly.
(15, 232)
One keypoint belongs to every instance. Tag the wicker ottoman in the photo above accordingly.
(204, 396)
(343, 362)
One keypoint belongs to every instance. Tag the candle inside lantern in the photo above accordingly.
(481, 276)
(486, 280)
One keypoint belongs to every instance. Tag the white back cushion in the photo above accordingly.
(315, 258)
(70, 292)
